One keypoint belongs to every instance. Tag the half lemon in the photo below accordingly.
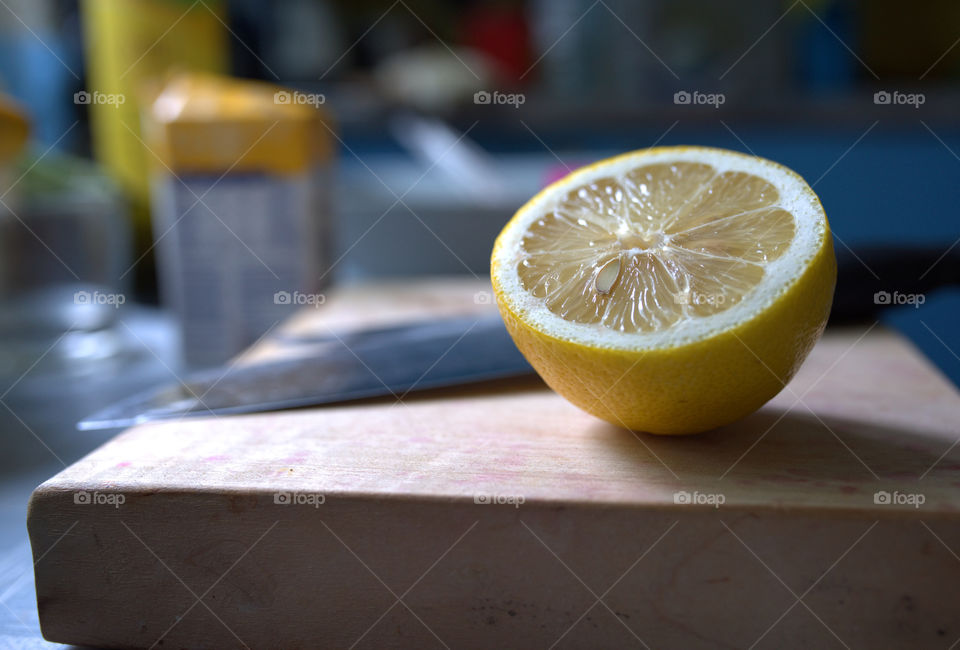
(670, 290)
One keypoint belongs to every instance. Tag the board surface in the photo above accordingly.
(496, 515)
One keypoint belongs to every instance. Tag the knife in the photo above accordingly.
(368, 363)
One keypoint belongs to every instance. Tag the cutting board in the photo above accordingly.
(499, 515)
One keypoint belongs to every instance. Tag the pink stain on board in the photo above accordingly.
(296, 458)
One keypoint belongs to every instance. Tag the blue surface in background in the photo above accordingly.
(897, 185)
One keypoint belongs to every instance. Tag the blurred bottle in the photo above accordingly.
(14, 130)
(502, 33)
(824, 64)
(130, 46)
(240, 207)
(62, 249)
(40, 66)
(589, 52)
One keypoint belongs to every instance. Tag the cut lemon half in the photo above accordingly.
(670, 290)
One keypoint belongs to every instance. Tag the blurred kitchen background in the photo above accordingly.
(177, 176)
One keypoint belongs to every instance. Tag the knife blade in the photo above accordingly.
(368, 363)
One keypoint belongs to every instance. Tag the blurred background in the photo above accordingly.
(179, 176)
(176, 177)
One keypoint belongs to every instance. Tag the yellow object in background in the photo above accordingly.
(240, 190)
(202, 123)
(131, 45)
(14, 129)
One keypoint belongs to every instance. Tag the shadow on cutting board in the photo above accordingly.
(792, 447)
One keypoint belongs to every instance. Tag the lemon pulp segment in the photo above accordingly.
(662, 243)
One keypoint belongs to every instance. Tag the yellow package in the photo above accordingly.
(240, 207)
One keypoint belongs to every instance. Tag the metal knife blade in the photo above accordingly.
(385, 361)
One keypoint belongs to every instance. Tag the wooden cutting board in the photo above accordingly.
(501, 516)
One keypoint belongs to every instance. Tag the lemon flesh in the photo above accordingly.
(670, 290)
